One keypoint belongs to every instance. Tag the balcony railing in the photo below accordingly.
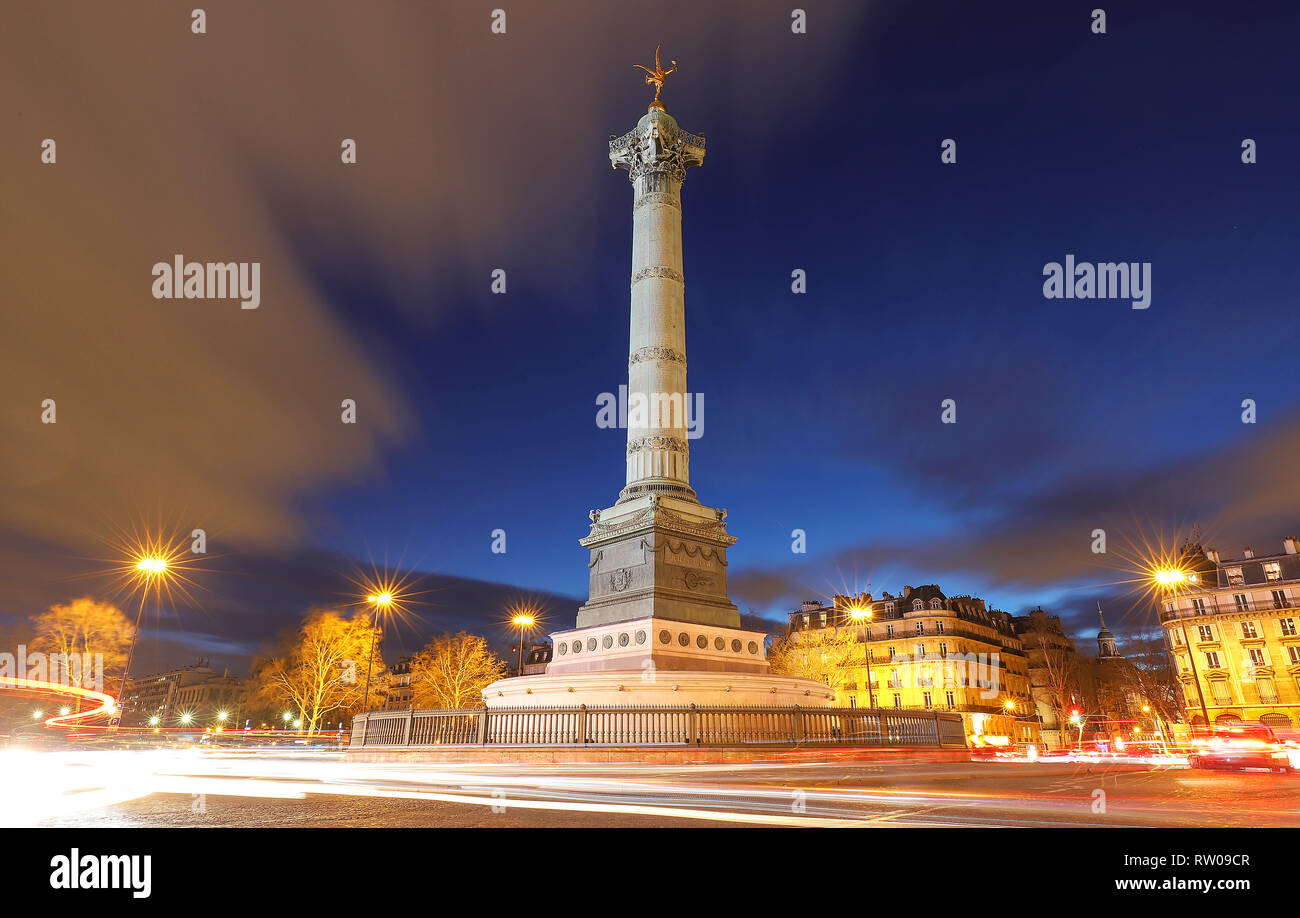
(1217, 607)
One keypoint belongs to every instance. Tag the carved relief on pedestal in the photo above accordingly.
(619, 580)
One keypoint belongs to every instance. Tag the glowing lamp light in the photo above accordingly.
(523, 620)
(36, 715)
(151, 565)
(65, 711)
(186, 717)
(153, 721)
(221, 716)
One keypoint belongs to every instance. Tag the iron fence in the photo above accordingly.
(687, 725)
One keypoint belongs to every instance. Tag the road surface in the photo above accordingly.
(254, 788)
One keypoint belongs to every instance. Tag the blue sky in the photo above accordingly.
(821, 410)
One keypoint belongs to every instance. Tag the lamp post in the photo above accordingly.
(524, 621)
(380, 601)
(1010, 707)
(151, 570)
(1077, 720)
(1169, 579)
(863, 617)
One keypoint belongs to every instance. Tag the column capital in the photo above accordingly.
(657, 144)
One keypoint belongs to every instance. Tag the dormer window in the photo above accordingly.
(1234, 576)
(1272, 570)
(936, 604)
(918, 605)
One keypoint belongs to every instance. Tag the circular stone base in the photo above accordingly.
(656, 688)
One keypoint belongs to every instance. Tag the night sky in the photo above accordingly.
(477, 411)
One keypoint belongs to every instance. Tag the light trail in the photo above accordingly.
(71, 785)
(106, 703)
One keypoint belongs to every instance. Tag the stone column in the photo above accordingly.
(657, 155)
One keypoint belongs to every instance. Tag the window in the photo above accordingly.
(1242, 601)
(1234, 576)
(943, 649)
(1267, 693)
(1206, 632)
(898, 700)
(1212, 659)
(1248, 630)
(1272, 570)
(936, 604)
(948, 696)
(1286, 626)
(1257, 657)
(920, 627)
(1222, 694)
(920, 651)
(889, 631)
(1279, 599)
(1198, 606)
(1175, 638)
(938, 626)
(918, 605)
(892, 651)
(928, 702)
(1293, 651)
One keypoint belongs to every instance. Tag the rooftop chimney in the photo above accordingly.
(1249, 553)
(1212, 554)
(1291, 544)
(907, 591)
(811, 605)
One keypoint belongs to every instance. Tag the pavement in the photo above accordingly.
(256, 788)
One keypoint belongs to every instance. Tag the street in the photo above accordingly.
(256, 788)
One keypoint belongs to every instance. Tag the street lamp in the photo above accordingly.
(524, 621)
(1078, 722)
(151, 572)
(863, 617)
(1170, 579)
(36, 715)
(381, 601)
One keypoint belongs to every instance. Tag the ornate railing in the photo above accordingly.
(629, 725)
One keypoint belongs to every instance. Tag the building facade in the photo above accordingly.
(1234, 634)
(398, 692)
(1052, 663)
(926, 650)
(536, 655)
(194, 695)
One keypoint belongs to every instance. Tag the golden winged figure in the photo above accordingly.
(656, 77)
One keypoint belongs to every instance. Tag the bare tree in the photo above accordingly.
(826, 655)
(452, 671)
(324, 671)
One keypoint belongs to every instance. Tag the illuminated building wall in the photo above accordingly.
(922, 644)
(1241, 620)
